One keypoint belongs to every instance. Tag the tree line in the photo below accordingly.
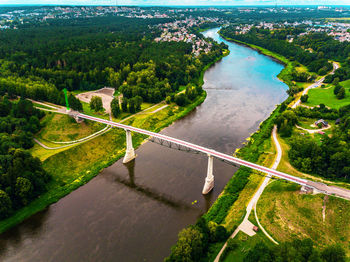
(22, 177)
(90, 53)
(314, 60)
(331, 157)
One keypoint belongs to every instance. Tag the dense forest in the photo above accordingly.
(331, 157)
(22, 177)
(90, 53)
(276, 41)
(312, 50)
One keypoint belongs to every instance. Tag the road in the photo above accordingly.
(316, 84)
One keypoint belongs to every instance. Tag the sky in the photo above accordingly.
(177, 2)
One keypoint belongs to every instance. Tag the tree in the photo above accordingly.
(189, 246)
(5, 205)
(125, 104)
(260, 253)
(96, 103)
(115, 107)
(333, 253)
(23, 190)
(337, 89)
(341, 93)
(138, 103)
(132, 105)
(74, 103)
(304, 98)
(181, 99)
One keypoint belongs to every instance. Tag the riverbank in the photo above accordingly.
(76, 166)
(224, 211)
(284, 74)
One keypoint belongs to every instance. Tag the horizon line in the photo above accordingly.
(203, 5)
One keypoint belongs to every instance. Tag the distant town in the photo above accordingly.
(182, 20)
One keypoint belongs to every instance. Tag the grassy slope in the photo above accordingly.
(77, 165)
(59, 127)
(287, 214)
(326, 96)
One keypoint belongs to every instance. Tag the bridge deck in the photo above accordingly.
(204, 150)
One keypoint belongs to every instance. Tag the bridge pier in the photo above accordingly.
(130, 152)
(209, 180)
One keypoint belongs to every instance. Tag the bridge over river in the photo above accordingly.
(134, 212)
(209, 180)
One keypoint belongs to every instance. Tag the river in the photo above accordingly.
(134, 212)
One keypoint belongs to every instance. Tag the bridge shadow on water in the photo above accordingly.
(149, 192)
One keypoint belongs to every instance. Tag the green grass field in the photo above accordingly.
(326, 96)
(286, 214)
(59, 127)
(76, 165)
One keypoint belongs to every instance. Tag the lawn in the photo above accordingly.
(76, 165)
(62, 128)
(245, 244)
(287, 214)
(326, 96)
(87, 110)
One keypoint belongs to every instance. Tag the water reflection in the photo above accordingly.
(146, 191)
(143, 205)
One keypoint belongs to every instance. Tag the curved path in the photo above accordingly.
(62, 110)
(246, 226)
(311, 131)
(316, 84)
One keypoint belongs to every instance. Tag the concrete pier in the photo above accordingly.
(209, 180)
(130, 152)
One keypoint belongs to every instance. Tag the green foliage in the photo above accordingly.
(296, 250)
(115, 107)
(5, 205)
(125, 104)
(181, 99)
(330, 159)
(218, 211)
(304, 98)
(341, 93)
(74, 103)
(321, 112)
(275, 42)
(333, 253)
(96, 103)
(168, 99)
(285, 123)
(22, 177)
(23, 190)
(336, 89)
(189, 246)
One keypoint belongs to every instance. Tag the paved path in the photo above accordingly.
(311, 131)
(62, 110)
(159, 109)
(316, 84)
(246, 226)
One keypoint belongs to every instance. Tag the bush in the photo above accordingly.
(181, 99)
(337, 89)
(341, 93)
(168, 99)
(304, 98)
(96, 103)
